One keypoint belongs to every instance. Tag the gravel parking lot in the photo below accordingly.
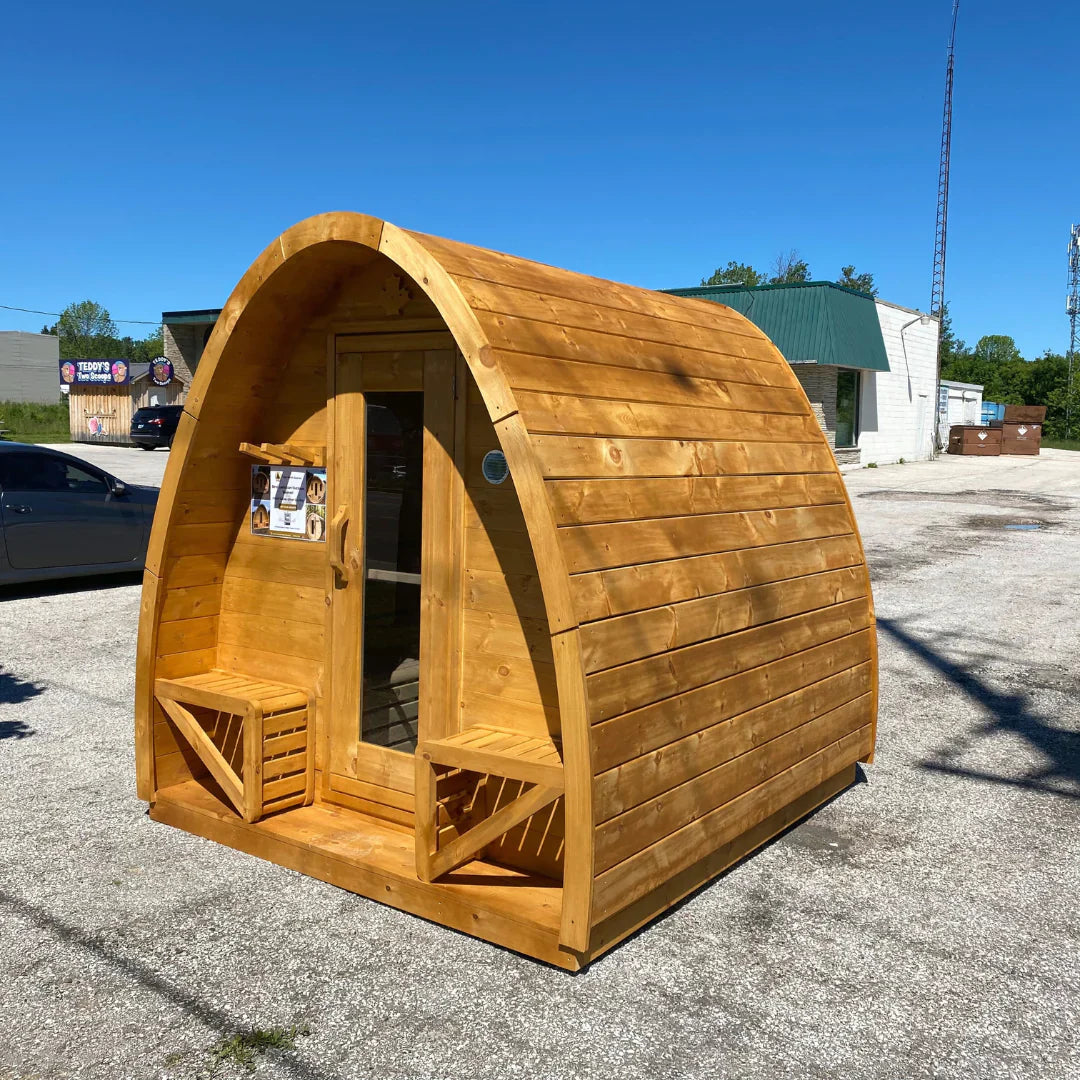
(923, 924)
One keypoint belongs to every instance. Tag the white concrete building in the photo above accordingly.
(896, 407)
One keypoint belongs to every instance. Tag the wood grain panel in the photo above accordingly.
(652, 820)
(544, 339)
(588, 502)
(565, 415)
(631, 686)
(623, 543)
(543, 373)
(464, 261)
(190, 602)
(573, 314)
(273, 599)
(644, 730)
(561, 457)
(657, 630)
(606, 593)
(644, 871)
(287, 636)
(625, 786)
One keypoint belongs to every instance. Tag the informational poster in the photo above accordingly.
(288, 501)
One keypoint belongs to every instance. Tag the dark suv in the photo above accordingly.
(155, 426)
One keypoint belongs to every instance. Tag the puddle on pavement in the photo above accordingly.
(1000, 521)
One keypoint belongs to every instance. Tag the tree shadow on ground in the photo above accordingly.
(1006, 713)
(211, 1016)
(14, 691)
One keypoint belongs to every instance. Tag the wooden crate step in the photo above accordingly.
(278, 758)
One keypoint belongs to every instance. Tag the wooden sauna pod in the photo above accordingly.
(631, 639)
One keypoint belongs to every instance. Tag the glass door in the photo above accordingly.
(393, 512)
(394, 485)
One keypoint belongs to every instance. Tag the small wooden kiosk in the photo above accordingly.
(520, 600)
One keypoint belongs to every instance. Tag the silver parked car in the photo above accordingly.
(62, 517)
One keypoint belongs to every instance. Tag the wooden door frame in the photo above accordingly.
(378, 775)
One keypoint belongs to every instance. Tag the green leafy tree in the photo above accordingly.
(952, 348)
(734, 273)
(863, 283)
(789, 268)
(87, 330)
(997, 348)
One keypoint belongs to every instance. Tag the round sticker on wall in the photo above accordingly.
(494, 467)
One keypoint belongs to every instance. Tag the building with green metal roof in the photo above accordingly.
(868, 367)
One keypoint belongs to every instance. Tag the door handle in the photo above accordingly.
(20, 509)
(337, 541)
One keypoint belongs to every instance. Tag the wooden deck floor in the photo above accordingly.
(518, 910)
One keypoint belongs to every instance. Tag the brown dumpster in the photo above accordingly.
(974, 440)
(1025, 414)
(1019, 438)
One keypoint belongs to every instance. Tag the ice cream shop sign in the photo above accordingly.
(95, 372)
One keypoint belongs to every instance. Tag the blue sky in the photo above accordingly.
(151, 151)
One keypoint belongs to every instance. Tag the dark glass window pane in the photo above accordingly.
(847, 408)
(42, 472)
(392, 513)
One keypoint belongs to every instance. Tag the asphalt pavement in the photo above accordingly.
(923, 924)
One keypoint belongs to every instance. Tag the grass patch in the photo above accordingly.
(29, 422)
(1062, 444)
(244, 1047)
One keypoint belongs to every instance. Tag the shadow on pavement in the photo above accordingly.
(202, 1011)
(63, 586)
(1007, 712)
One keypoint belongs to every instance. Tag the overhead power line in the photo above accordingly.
(57, 314)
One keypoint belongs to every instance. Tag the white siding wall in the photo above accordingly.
(897, 407)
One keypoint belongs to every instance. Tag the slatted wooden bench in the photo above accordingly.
(262, 725)
(489, 751)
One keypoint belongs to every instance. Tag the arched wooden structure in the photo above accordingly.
(647, 651)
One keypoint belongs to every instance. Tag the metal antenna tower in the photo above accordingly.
(1072, 309)
(937, 289)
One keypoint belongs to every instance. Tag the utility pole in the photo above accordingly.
(1072, 309)
(937, 287)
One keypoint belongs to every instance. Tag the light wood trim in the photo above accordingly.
(285, 454)
(145, 659)
(253, 763)
(208, 753)
(441, 551)
(464, 847)
(478, 759)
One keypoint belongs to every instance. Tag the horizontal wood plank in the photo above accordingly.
(543, 373)
(606, 593)
(630, 637)
(190, 602)
(298, 603)
(631, 686)
(628, 543)
(657, 817)
(645, 871)
(620, 789)
(573, 314)
(572, 457)
(635, 734)
(600, 416)
(588, 502)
